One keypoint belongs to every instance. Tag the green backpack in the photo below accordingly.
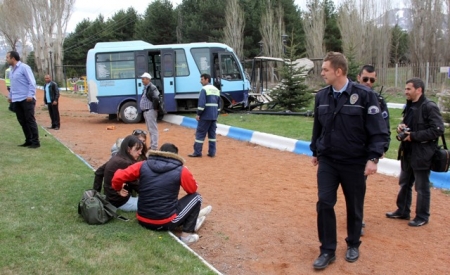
(95, 209)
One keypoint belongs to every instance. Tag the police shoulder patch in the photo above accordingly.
(384, 114)
(373, 110)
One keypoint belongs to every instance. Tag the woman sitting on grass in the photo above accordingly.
(129, 152)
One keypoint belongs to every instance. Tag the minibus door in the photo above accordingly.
(141, 66)
(168, 76)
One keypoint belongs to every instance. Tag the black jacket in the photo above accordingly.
(426, 128)
(105, 173)
(54, 92)
(351, 130)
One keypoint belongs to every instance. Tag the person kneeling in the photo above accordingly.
(160, 178)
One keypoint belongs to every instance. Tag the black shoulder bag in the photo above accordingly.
(441, 158)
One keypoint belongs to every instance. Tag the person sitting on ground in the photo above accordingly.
(160, 178)
(142, 135)
(129, 152)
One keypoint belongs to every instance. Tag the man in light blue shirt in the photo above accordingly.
(23, 95)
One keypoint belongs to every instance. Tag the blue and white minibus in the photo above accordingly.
(114, 70)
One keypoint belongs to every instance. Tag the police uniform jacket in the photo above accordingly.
(426, 128)
(160, 178)
(209, 103)
(351, 129)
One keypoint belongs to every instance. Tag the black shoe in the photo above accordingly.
(417, 222)
(352, 254)
(211, 156)
(26, 144)
(397, 215)
(194, 156)
(56, 128)
(324, 260)
(34, 146)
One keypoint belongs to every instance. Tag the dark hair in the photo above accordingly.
(417, 83)
(206, 76)
(337, 61)
(129, 142)
(14, 55)
(367, 68)
(169, 147)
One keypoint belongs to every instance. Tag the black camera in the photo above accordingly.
(402, 135)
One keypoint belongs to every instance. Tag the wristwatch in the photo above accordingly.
(375, 160)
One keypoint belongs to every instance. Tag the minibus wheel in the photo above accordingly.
(129, 113)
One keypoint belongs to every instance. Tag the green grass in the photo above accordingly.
(42, 233)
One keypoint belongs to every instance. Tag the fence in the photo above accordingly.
(435, 75)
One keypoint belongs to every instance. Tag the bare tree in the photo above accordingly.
(272, 28)
(361, 29)
(314, 27)
(45, 23)
(8, 27)
(426, 31)
(234, 28)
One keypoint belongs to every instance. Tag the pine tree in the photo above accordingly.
(292, 93)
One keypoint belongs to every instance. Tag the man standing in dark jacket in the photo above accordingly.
(207, 112)
(51, 98)
(349, 136)
(419, 131)
(160, 178)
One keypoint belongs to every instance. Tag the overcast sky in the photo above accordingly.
(91, 9)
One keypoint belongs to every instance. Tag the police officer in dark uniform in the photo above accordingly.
(367, 77)
(207, 112)
(349, 136)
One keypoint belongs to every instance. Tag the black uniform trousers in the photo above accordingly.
(351, 177)
(25, 116)
(53, 111)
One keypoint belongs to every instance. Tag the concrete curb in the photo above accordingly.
(386, 166)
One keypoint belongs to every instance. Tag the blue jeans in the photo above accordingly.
(130, 205)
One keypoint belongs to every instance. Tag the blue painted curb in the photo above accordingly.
(386, 166)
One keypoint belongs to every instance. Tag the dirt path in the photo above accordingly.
(264, 219)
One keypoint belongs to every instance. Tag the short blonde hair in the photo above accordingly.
(337, 61)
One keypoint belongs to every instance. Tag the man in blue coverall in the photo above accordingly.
(207, 112)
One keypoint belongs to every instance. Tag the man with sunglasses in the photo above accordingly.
(367, 77)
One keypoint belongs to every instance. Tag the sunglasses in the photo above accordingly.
(139, 132)
(366, 79)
